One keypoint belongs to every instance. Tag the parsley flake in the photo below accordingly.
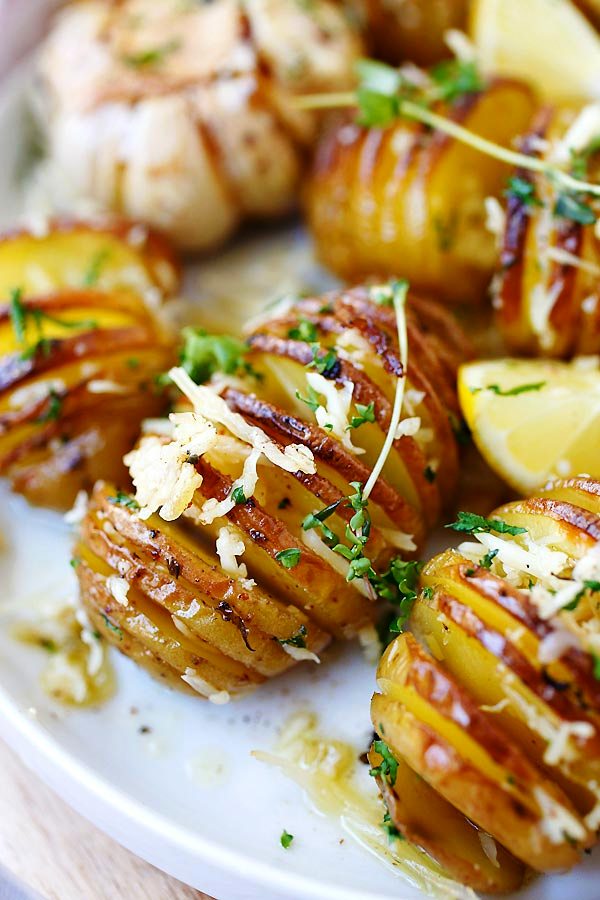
(471, 523)
(286, 839)
(305, 331)
(510, 392)
(126, 500)
(387, 769)
(296, 640)
(365, 413)
(569, 205)
(289, 558)
(522, 190)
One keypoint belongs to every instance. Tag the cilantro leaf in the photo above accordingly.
(453, 78)
(486, 561)
(326, 363)
(312, 400)
(126, 500)
(471, 523)
(238, 496)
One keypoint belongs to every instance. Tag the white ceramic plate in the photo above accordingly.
(187, 795)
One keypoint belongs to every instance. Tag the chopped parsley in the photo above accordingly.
(238, 496)
(74, 562)
(569, 205)
(326, 363)
(454, 78)
(305, 331)
(522, 190)
(52, 413)
(112, 627)
(390, 829)
(312, 400)
(289, 558)
(286, 839)
(596, 659)
(205, 354)
(123, 499)
(387, 769)
(471, 523)
(94, 270)
(20, 314)
(151, 56)
(364, 413)
(510, 392)
(296, 640)
(592, 586)
(486, 561)
(399, 585)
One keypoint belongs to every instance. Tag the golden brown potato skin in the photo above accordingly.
(447, 707)
(78, 380)
(547, 306)
(404, 201)
(236, 632)
(399, 30)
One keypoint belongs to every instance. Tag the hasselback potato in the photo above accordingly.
(181, 114)
(79, 349)
(399, 30)
(253, 537)
(546, 290)
(406, 200)
(497, 708)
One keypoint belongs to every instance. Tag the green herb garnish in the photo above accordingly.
(312, 400)
(471, 523)
(286, 839)
(510, 392)
(569, 205)
(523, 190)
(486, 561)
(326, 363)
(111, 626)
(296, 640)
(388, 767)
(94, 270)
(364, 413)
(238, 496)
(305, 331)
(205, 354)
(123, 499)
(289, 558)
(152, 56)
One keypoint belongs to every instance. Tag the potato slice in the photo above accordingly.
(425, 818)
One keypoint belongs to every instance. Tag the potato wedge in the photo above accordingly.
(405, 201)
(79, 349)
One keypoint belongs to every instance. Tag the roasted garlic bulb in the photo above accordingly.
(181, 114)
(405, 200)
(254, 536)
(79, 349)
(546, 291)
(494, 700)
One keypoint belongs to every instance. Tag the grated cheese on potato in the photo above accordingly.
(334, 416)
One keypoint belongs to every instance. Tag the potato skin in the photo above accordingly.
(78, 380)
(311, 601)
(404, 201)
(182, 114)
(547, 306)
(399, 30)
(488, 677)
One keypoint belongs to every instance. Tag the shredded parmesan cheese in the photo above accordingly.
(229, 546)
(300, 654)
(119, 588)
(204, 688)
(77, 512)
(335, 415)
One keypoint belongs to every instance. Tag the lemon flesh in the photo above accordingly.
(548, 43)
(533, 420)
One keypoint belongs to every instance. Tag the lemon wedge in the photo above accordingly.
(533, 420)
(548, 43)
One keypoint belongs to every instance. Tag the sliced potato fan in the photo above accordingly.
(255, 535)
(493, 700)
(409, 200)
(79, 349)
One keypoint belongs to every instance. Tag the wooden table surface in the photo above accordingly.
(53, 850)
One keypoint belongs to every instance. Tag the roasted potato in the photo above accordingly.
(399, 30)
(546, 290)
(257, 471)
(498, 707)
(409, 201)
(79, 349)
(181, 114)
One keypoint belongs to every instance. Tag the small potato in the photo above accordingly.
(79, 349)
(408, 201)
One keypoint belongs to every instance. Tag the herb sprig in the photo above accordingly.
(471, 523)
